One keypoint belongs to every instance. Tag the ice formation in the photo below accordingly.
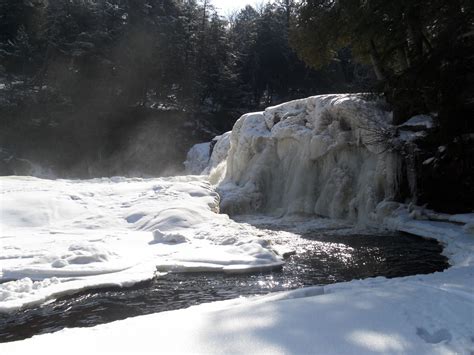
(323, 155)
(198, 158)
(209, 158)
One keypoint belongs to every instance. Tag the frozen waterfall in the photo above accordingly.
(322, 155)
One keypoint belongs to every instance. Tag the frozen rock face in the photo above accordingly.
(322, 155)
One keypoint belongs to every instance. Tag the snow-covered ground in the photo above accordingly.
(61, 236)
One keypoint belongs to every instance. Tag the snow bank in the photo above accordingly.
(422, 314)
(453, 231)
(60, 236)
(319, 155)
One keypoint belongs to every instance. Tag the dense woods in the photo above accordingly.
(125, 87)
(421, 51)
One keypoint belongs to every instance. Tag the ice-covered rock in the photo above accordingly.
(322, 155)
(209, 158)
(198, 158)
(217, 162)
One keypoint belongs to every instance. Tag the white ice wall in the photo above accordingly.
(318, 155)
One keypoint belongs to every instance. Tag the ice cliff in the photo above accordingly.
(323, 155)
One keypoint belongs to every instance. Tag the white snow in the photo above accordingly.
(414, 129)
(419, 121)
(410, 136)
(458, 240)
(199, 161)
(61, 236)
(217, 163)
(462, 218)
(197, 158)
(173, 238)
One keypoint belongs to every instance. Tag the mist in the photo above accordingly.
(126, 88)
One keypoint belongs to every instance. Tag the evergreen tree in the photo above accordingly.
(408, 43)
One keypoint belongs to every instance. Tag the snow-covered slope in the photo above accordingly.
(321, 155)
(61, 236)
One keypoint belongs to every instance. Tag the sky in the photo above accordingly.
(227, 6)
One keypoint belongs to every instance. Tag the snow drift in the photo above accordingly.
(61, 236)
(322, 155)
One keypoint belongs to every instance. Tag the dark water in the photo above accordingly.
(320, 259)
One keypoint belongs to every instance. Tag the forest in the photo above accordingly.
(125, 87)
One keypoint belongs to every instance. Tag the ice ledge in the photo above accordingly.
(455, 232)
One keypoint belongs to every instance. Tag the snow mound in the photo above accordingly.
(171, 238)
(21, 288)
(321, 155)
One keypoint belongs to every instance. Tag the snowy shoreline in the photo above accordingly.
(420, 314)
